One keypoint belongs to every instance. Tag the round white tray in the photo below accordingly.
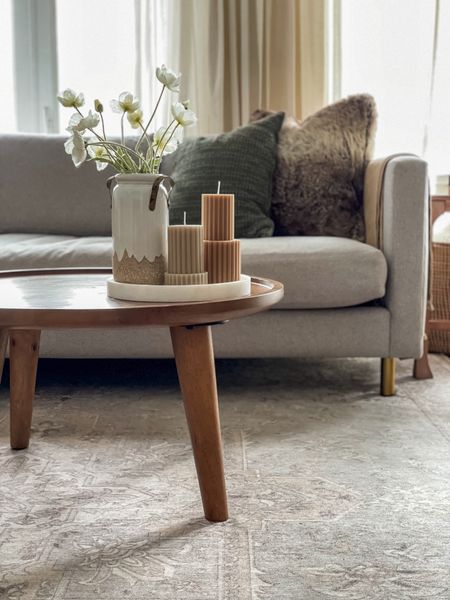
(179, 293)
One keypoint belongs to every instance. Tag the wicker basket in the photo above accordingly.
(440, 289)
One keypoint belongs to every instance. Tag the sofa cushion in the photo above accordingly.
(40, 251)
(318, 272)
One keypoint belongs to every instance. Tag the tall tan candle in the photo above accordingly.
(185, 249)
(218, 216)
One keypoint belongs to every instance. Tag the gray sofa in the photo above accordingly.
(342, 298)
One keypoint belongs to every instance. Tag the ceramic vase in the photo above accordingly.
(140, 217)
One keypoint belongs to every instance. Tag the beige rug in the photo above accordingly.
(335, 492)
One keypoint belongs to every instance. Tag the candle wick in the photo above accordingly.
(218, 187)
(184, 217)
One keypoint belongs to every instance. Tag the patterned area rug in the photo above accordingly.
(334, 491)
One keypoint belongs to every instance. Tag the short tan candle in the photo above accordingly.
(185, 247)
(185, 278)
(223, 260)
(218, 216)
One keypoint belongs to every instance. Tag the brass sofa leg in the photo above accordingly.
(387, 377)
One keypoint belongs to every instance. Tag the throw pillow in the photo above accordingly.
(319, 180)
(243, 161)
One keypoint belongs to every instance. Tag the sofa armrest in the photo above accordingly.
(404, 242)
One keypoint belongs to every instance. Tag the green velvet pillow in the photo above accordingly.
(243, 161)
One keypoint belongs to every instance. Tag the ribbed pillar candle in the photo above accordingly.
(186, 264)
(185, 278)
(218, 216)
(185, 249)
(223, 260)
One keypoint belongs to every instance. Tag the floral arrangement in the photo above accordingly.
(147, 154)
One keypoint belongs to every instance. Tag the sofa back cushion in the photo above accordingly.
(42, 192)
(319, 180)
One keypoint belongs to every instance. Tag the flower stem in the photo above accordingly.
(124, 155)
(167, 129)
(147, 137)
(122, 138)
(168, 140)
(153, 162)
(104, 137)
(99, 137)
(170, 137)
(103, 160)
(106, 142)
(151, 118)
(103, 126)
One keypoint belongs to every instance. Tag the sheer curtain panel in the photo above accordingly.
(235, 55)
(400, 53)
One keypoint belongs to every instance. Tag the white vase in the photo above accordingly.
(140, 217)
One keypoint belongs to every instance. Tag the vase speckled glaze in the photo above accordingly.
(140, 217)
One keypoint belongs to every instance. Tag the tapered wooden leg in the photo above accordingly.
(422, 369)
(388, 377)
(194, 358)
(23, 357)
(3, 346)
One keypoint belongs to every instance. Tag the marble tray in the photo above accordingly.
(179, 293)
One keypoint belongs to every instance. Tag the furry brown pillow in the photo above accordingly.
(319, 180)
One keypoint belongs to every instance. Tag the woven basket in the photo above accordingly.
(440, 289)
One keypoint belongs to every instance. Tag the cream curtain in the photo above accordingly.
(235, 56)
(436, 138)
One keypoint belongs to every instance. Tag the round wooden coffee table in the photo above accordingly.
(74, 298)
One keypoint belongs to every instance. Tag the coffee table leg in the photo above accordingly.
(3, 345)
(194, 358)
(23, 357)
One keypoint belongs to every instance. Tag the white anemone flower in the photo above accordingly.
(70, 98)
(126, 103)
(75, 146)
(184, 116)
(80, 123)
(168, 78)
(161, 139)
(97, 152)
(135, 118)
